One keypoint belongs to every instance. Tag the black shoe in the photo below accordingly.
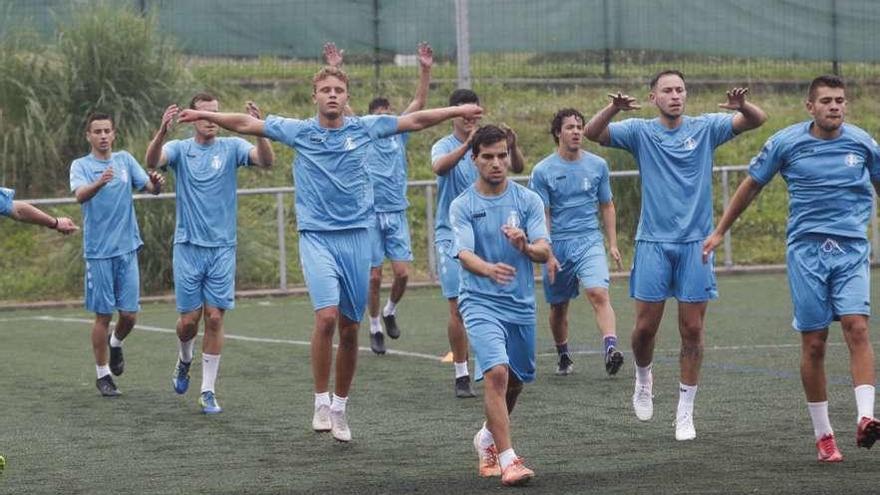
(117, 362)
(391, 329)
(463, 388)
(565, 366)
(107, 387)
(377, 342)
(613, 361)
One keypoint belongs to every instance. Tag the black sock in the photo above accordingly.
(562, 348)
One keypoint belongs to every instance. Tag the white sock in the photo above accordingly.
(506, 458)
(389, 309)
(461, 369)
(103, 370)
(338, 404)
(686, 396)
(486, 438)
(114, 342)
(819, 415)
(375, 326)
(643, 373)
(210, 366)
(865, 401)
(322, 399)
(185, 350)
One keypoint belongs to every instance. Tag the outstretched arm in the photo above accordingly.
(240, 123)
(596, 129)
(262, 155)
(742, 198)
(155, 156)
(88, 191)
(748, 116)
(445, 163)
(500, 273)
(426, 60)
(24, 212)
(423, 119)
(538, 251)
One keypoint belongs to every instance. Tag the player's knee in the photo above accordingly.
(598, 297)
(375, 277)
(496, 378)
(814, 349)
(401, 273)
(856, 332)
(127, 319)
(691, 331)
(325, 320)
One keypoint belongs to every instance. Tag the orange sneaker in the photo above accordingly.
(868, 432)
(488, 459)
(516, 473)
(828, 451)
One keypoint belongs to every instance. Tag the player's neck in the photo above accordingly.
(334, 122)
(670, 122)
(486, 188)
(569, 155)
(460, 135)
(102, 155)
(204, 141)
(819, 133)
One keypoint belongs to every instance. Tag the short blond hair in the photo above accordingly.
(329, 71)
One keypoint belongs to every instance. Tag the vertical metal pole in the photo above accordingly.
(463, 44)
(142, 7)
(725, 188)
(875, 229)
(376, 65)
(429, 228)
(282, 246)
(834, 55)
(607, 16)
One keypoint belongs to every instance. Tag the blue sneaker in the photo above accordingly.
(209, 403)
(180, 377)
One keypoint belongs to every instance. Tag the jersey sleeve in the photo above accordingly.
(624, 134)
(282, 129)
(77, 176)
(536, 222)
(439, 149)
(538, 184)
(242, 151)
(6, 196)
(720, 128)
(138, 176)
(605, 195)
(462, 227)
(172, 153)
(379, 126)
(764, 166)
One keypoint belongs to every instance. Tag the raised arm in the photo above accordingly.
(426, 60)
(596, 129)
(262, 155)
(240, 123)
(24, 212)
(88, 191)
(517, 160)
(155, 157)
(748, 115)
(445, 163)
(742, 198)
(154, 185)
(423, 119)
(609, 220)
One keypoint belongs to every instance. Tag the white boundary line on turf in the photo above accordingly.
(711, 348)
(148, 328)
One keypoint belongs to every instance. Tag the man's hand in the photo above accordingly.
(553, 267)
(713, 241)
(253, 110)
(65, 225)
(426, 55)
(615, 255)
(511, 135)
(470, 111)
(189, 115)
(501, 273)
(516, 237)
(168, 118)
(736, 98)
(623, 102)
(332, 55)
(106, 176)
(156, 178)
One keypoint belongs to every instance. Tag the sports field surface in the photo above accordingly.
(410, 434)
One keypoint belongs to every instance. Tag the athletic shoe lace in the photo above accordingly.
(827, 445)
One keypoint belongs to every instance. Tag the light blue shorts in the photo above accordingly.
(389, 238)
(495, 342)
(672, 269)
(448, 269)
(113, 284)
(204, 275)
(336, 266)
(828, 277)
(582, 264)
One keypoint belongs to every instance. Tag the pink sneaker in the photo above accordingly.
(867, 432)
(516, 473)
(828, 451)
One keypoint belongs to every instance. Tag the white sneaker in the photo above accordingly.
(643, 400)
(684, 427)
(339, 426)
(321, 419)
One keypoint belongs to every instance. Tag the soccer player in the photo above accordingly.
(674, 156)
(499, 229)
(389, 235)
(829, 167)
(206, 168)
(27, 213)
(574, 186)
(102, 182)
(333, 210)
(452, 162)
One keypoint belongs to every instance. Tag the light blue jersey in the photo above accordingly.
(572, 191)
(333, 189)
(450, 184)
(477, 222)
(6, 196)
(676, 173)
(386, 162)
(829, 180)
(109, 224)
(206, 180)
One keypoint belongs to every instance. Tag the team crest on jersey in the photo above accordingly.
(513, 219)
(349, 143)
(853, 160)
(587, 184)
(215, 162)
(123, 175)
(690, 144)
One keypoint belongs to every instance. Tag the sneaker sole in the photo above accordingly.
(520, 482)
(872, 433)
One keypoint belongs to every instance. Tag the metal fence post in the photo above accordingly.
(429, 231)
(725, 188)
(463, 44)
(282, 245)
